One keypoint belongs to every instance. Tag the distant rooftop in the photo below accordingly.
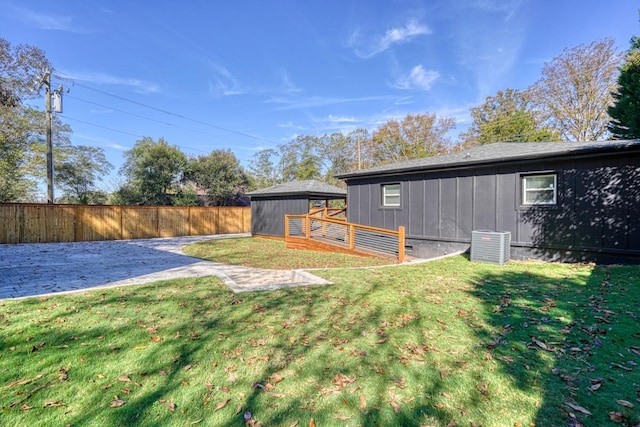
(311, 188)
(495, 153)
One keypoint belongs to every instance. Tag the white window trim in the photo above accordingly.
(385, 204)
(525, 189)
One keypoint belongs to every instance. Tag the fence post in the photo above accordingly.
(401, 243)
(307, 227)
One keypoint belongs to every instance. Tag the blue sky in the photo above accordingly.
(248, 75)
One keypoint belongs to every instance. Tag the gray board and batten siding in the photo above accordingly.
(270, 205)
(595, 215)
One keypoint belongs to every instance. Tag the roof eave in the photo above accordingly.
(472, 164)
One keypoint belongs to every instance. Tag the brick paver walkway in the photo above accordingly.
(45, 268)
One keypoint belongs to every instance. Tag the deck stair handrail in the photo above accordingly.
(313, 231)
(335, 213)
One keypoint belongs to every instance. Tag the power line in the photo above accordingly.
(122, 131)
(141, 116)
(151, 107)
(101, 126)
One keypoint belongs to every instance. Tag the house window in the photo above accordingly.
(539, 189)
(391, 195)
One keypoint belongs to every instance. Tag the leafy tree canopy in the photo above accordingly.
(574, 92)
(414, 137)
(506, 117)
(220, 175)
(625, 113)
(151, 168)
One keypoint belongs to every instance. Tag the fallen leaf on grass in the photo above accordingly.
(363, 402)
(595, 387)
(294, 424)
(395, 406)
(577, 408)
(541, 344)
(52, 403)
(38, 347)
(625, 368)
(343, 417)
(18, 382)
(341, 380)
(25, 407)
(171, 406)
(617, 417)
(116, 403)
(624, 403)
(221, 404)
(186, 368)
(276, 378)
(124, 378)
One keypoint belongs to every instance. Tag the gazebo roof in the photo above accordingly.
(311, 188)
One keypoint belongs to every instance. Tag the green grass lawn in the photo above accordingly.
(269, 253)
(446, 343)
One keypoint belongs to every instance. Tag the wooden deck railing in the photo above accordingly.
(334, 213)
(318, 233)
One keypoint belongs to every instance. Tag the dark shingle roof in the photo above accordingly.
(495, 153)
(310, 188)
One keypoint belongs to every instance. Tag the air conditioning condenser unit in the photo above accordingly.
(493, 247)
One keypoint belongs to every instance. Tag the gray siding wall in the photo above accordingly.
(267, 213)
(597, 210)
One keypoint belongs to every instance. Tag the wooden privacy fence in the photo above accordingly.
(329, 234)
(33, 223)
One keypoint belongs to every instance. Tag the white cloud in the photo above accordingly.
(288, 86)
(290, 125)
(393, 36)
(140, 86)
(418, 78)
(51, 22)
(340, 119)
(319, 101)
(223, 82)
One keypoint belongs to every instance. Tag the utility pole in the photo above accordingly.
(47, 106)
(57, 107)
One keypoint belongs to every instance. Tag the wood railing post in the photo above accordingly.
(352, 237)
(307, 227)
(401, 234)
(286, 226)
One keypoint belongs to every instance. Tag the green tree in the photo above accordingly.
(78, 172)
(416, 136)
(625, 113)
(186, 195)
(300, 159)
(220, 175)
(574, 92)
(263, 170)
(151, 169)
(21, 70)
(506, 117)
(345, 153)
